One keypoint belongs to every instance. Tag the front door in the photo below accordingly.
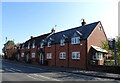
(41, 59)
(27, 58)
(18, 58)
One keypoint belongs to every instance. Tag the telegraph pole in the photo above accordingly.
(115, 51)
(112, 46)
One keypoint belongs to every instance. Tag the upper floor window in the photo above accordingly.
(41, 45)
(19, 47)
(75, 55)
(49, 56)
(29, 45)
(62, 55)
(100, 28)
(62, 42)
(49, 43)
(22, 46)
(75, 40)
(33, 45)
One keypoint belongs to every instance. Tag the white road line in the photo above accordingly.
(35, 78)
(46, 77)
(25, 66)
(16, 69)
(9, 70)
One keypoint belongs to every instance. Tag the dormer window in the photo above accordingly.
(33, 45)
(29, 45)
(62, 42)
(22, 46)
(49, 43)
(41, 45)
(19, 47)
(75, 40)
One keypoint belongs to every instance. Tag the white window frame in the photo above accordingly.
(62, 42)
(75, 40)
(29, 45)
(33, 55)
(23, 46)
(75, 54)
(49, 44)
(41, 45)
(22, 54)
(98, 56)
(33, 45)
(62, 55)
(49, 56)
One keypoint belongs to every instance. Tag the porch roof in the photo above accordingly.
(99, 49)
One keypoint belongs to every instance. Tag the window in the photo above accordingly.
(75, 55)
(22, 55)
(100, 28)
(22, 46)
(98, 56)
(19, 47)
(62, 55)
(49, 43)
(75, 40)
(29, 45)
(33, 55)
(33, 45)
(62, 42)
(41, 45)
(49, 56)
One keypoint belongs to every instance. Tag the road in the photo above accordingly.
(16, 71)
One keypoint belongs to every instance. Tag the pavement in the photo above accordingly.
(78, 71)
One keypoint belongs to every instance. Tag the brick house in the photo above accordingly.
(29, 51)
(74, 47)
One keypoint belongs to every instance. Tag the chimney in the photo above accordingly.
(31, 37)
(83, 22)
(53, 30)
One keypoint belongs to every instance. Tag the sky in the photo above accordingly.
(20, 20)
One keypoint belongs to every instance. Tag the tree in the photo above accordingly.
(9, 42)
(117, 44)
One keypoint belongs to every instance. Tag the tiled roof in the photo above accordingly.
(37, 39)
(83, 31)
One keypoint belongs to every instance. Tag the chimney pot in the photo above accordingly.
(53, 30)
(83, 22)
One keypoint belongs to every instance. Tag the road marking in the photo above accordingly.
(35, 78)
(25, 66)
(46, 77)
(1, 70)
(9, 70)
(16, 69)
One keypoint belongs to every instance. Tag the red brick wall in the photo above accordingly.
(81, 63)
(22, 58)
(51, 62)
(34, 50)
(96, 39)
(61, 62)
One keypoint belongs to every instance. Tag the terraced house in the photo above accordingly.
(74, 47)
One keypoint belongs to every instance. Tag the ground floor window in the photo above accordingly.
(49, 56)
(75, 55)
(22, 55)
(98, 56)
(33, 55)
(62, 55)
